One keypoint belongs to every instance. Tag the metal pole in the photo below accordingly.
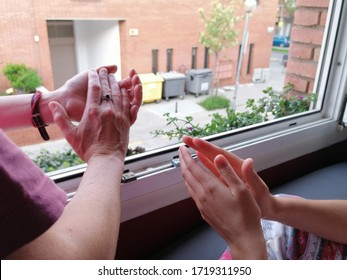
(240, 60)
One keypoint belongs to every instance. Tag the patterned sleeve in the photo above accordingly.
(30, 202)
(284, 242)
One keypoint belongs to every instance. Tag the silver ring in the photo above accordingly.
(106, 97)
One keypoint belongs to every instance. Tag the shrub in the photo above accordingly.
(279, 104)
(181, 127)
(256, 112)
(218, 124)
(51, 161)
(22, 78)
(215, 102)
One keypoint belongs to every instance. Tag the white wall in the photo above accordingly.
(97, 44)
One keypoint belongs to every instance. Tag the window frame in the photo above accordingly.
(159, 182)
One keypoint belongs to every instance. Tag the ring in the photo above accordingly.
(107, 97)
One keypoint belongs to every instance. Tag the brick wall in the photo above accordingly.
(162, 24)
(307, 35)
(31, 136)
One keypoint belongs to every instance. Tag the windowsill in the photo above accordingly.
(166, 186)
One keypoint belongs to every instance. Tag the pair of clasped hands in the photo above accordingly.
(229, 194)
(104, 116)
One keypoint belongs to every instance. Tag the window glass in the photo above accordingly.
(261, 65)
(277, 77)
(60, 29)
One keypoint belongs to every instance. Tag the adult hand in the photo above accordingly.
(72, 95)
(228, 206)
(207, 153)
(104, 126)
(132, 85)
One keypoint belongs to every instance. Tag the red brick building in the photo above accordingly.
(61, 38)
(306, 37)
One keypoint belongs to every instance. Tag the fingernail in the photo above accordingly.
(103, 70)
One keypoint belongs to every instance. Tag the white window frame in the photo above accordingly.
(159, 182)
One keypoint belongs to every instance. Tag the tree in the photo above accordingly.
(22, 78)
(290, 6)
(220, 31)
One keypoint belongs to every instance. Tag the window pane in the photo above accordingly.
(266, 70)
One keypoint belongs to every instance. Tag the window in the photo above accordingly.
(249, 64)
(154, 61)
(169, 60)
(206, 58)
(316, 64)
(194, 53)
(60, 29)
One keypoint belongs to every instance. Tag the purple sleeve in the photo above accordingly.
(30, 202)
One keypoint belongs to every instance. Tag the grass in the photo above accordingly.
(279, 49)
(215, 102)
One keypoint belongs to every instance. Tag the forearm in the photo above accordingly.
(325, 218)
(15, 111)
(89, 225)
(91, 220)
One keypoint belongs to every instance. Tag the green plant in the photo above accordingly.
(218, 124)
(277, 104)
(181, 127)
(136, 150)
(290, 6)
(51, 161)
(215, 102)
(3, 93)
(279, 49)
(232, 120)
(21, 77)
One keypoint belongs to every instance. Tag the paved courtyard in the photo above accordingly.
(151, 116)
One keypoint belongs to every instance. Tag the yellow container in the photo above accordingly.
(152, 86)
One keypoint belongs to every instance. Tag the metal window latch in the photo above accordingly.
(128, 176)
(175, 162)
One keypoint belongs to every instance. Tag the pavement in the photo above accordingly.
(151, 117)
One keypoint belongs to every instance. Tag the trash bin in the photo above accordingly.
(174, 83)
(152, 86)
(199, 81)
(266, 75)
(257, 75)
(261, 75)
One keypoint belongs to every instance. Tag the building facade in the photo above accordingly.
(307, 34)
(61, 38)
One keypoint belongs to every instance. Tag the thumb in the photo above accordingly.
(61, 118)
(251, 177)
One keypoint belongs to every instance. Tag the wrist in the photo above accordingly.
(279, 207)
(113, 158)
(252, 248)
(114, 166)
(46, 98)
